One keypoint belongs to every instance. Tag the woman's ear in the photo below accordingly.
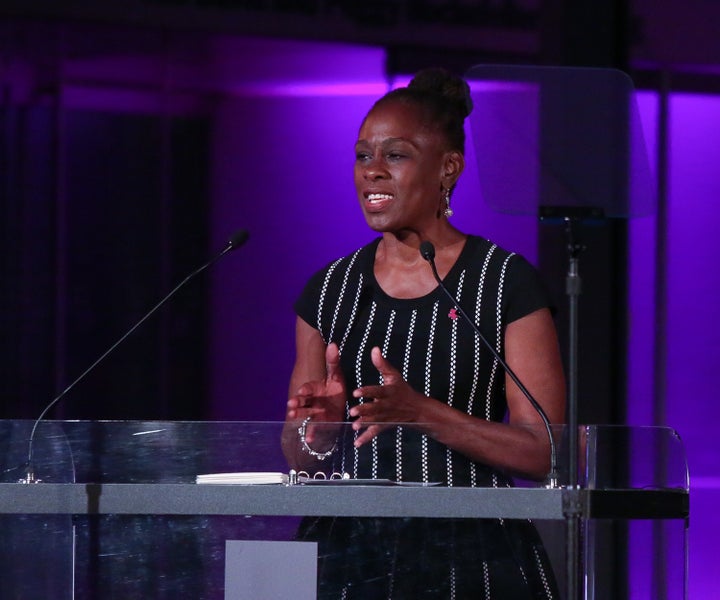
(453, 166)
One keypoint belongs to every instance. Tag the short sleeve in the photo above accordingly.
(525, 291)
(307, 303)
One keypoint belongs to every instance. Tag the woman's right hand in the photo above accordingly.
(323, 400)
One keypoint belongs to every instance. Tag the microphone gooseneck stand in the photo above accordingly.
(427, 251)
(235, 241)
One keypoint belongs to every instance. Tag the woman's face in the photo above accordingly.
(400, 166)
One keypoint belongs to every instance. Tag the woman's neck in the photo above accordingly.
(402, 272)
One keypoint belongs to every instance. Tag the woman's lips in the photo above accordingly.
(377, 201)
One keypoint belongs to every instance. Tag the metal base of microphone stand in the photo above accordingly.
(29, 477)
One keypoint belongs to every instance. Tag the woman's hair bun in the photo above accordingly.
(452, 88)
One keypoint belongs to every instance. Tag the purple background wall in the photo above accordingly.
(692, 335)
(278, 147)
(673, 322)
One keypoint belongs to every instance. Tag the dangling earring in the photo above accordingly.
(448, 211)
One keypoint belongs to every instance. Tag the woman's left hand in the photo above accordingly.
(395, 401)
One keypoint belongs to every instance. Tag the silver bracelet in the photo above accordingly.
(319, 455)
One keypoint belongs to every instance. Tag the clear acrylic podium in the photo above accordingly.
(118, 512)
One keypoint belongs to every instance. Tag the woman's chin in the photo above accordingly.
(377, 222)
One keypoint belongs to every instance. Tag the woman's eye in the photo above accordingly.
(362, 156)
(395, 156)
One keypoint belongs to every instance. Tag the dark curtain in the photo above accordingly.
(103, 213)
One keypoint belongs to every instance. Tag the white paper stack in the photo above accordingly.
(245, 478)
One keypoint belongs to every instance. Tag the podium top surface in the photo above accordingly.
(150, 467)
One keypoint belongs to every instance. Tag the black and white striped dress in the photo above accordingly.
(439, 355)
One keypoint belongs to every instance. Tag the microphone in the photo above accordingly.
(236, 240)
(427, 250)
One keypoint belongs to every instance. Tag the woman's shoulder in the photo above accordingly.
(488, 262)
(359, 260)
(338, 283)
(480, 249)
(519, 282)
